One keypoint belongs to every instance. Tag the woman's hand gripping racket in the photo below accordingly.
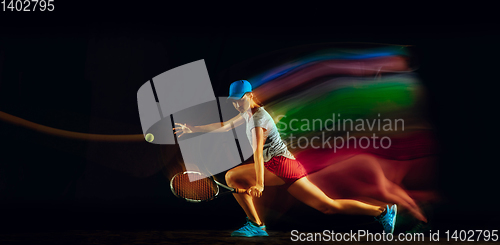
(194, 186)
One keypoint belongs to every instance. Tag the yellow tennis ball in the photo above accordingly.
(150, 137)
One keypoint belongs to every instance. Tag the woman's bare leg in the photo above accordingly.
(243, 177)
(310, 194)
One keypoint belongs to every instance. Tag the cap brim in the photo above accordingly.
(235, 97)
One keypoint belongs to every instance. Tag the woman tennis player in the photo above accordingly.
(274, 165)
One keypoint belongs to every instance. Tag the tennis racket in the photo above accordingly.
(194, 186)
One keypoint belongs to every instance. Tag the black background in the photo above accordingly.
(79, 69)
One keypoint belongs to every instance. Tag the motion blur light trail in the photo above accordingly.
(306, 75)
(126, 153)
(347, 98)
(332, 54)
(69, 134)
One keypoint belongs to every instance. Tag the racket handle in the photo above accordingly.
(240, 191)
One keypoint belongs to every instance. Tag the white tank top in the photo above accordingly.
(273, 145)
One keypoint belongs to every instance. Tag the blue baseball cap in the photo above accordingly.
(238, 89)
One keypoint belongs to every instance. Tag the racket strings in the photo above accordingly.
(201, 189)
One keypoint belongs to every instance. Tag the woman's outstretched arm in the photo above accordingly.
(212, 128)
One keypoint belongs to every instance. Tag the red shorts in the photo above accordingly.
(287, 169)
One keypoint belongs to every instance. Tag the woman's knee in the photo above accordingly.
(235, 178)
(230, 178)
